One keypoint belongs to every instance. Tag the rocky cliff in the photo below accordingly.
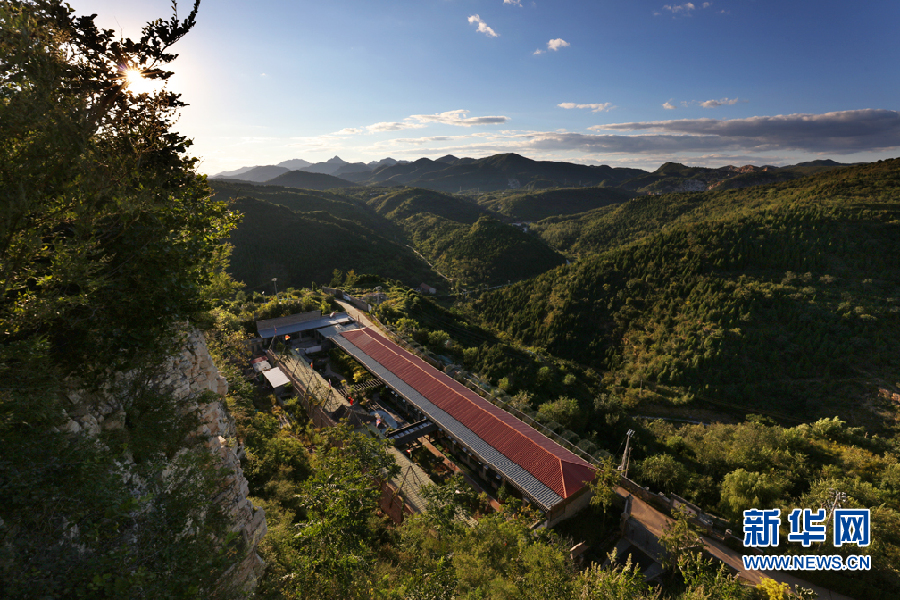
(189, 377)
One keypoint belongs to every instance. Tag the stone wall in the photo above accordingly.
(187, 376)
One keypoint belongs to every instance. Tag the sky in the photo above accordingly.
(632, 83)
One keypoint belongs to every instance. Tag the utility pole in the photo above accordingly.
(623, 468)
(836, 499)
(274, 282)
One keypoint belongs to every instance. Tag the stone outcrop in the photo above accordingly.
(187, 376)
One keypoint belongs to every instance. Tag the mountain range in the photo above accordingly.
(504, 172)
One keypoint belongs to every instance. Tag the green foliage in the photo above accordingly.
(534, 206)
(75, 524)
(663, 472)
(108, 242)
(462, 240)
(487, 251)
(773, 590)
(447, 503)
(603, 488)
(620, 581)
(743, 490)
(331, 552)
(349, 367)
(563, 410)
(300, 237)
(107, 234)
(693, 295)
(679, 542)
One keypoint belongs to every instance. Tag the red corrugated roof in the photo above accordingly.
(551, 464)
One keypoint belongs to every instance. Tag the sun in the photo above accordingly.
(136, 83)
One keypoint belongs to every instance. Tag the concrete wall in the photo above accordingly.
(569, 507)
(392, 503)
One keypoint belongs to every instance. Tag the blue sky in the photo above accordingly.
(625, 82)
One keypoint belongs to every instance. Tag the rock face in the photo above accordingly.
(187, 376)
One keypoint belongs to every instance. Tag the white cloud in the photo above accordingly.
(605, 107)
(393, 126)
(513, 2)
(556, 44)
(483, 27)
(779, 139)
(722, 102)
(679, 8)
(705, 103)
(683, 9)
(458, 118)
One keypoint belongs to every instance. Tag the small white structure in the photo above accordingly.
(276, 377)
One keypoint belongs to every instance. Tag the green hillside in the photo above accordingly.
(302, 247)
(303, 200)
(694, 297)
(611, 226)
(406, 202)
(301, 236)
(462, 240)
(534, 206)
(309, 181)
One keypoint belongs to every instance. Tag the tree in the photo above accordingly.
(742, 489)
(333, 553)
(108, 239)
(603, 488)
(679, 541)
(663, 472)
(107, 235)
(448, 502)
(614, 583)
(563, 410)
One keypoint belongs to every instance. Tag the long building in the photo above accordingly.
(547, 475)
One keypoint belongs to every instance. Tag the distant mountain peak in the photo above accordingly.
(294, 164)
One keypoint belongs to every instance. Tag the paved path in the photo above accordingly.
(656, 522)
(358, 315)
(410, 481)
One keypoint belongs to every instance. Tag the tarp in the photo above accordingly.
(276, 377)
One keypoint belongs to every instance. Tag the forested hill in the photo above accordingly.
(537, 205)
(464, 240)
(611, 226)
(301, 236)
(304, 247)
(781, 298)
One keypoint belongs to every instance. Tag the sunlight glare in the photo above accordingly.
(136, 83)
